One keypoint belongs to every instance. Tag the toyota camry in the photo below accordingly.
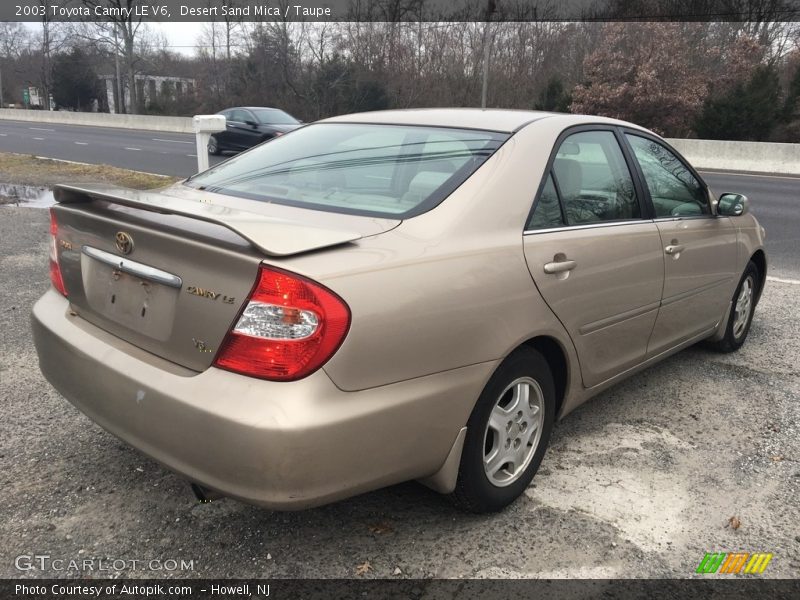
(389, 296)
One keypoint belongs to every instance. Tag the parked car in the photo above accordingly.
(389, 296)
(248, 126)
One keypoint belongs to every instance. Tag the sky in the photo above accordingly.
(182, 37)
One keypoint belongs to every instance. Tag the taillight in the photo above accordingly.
(289, 328)
(55, 269)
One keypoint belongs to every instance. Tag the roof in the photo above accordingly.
(494, 119)
(253, 108)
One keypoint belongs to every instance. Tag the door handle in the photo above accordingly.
(674, 249)
(559, 267)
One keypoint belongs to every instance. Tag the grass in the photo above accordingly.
(25, 169)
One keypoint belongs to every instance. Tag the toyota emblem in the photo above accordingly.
(124, 242)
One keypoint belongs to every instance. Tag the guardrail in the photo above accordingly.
(146, 122)
(757, 157)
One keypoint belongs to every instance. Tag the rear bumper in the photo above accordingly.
(280, 445)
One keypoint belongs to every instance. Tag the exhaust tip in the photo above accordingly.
(205, 495)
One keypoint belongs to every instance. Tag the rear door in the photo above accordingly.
(699, 247)
(594, 253)
(251, 134)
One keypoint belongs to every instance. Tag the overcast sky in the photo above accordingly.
(182, 37)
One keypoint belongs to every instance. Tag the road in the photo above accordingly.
(151, 151)
(774, 199)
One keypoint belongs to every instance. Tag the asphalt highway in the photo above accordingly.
(774, 199)
(151, 151)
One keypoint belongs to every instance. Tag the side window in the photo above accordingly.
(238, 116)
(548, 211)
(674, 190)
(593, 179)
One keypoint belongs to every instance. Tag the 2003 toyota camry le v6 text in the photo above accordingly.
(389, 296)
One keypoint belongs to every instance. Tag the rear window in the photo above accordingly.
(273, 116)
(376, 170)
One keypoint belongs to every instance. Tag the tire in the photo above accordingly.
(484, 489)
(743, 306)
(213, 146)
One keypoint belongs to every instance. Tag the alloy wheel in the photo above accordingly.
(744, 305)
(513, 431)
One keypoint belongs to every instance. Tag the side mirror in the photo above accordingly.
(251, 123)
(733, 205)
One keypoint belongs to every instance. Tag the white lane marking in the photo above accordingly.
(41, 128)
(137, 149)
(782, 280)
(192, 155)
(735, 174)
(82, 143)
(3, 134)
(40, 139)
(173, 141)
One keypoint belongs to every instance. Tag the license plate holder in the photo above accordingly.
(141, 304)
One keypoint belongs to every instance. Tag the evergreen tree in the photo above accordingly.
(748, 111)
(554, 97)
(75, 84)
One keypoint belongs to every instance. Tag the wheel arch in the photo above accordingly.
(760, 259)
(444, 480)
(556, 357)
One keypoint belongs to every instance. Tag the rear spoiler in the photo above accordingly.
(271, 235)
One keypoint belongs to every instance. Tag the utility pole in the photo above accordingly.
(120, 99)
(490, 8)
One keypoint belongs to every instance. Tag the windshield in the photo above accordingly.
(274, 116)
(377, 170)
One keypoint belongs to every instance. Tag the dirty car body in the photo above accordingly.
(389, 296)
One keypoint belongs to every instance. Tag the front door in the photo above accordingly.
(597, 262)
(699, 248)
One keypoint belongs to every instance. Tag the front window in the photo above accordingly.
(376, 170)
(673, 188)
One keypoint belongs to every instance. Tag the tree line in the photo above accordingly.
(731, 80)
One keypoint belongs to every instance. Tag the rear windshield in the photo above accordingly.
(376, 170)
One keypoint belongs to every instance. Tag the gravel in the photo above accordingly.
(640, 482)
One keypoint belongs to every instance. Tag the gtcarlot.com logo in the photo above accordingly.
(45, 562)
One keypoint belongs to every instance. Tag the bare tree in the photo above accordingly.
(51, 40)
(218, 44)
(122, 31)
(13, 37)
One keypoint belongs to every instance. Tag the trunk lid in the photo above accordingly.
(169, 271)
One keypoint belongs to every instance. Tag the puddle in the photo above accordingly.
(29, 196)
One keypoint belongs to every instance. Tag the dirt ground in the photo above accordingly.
(23, 169)
(697, 454)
